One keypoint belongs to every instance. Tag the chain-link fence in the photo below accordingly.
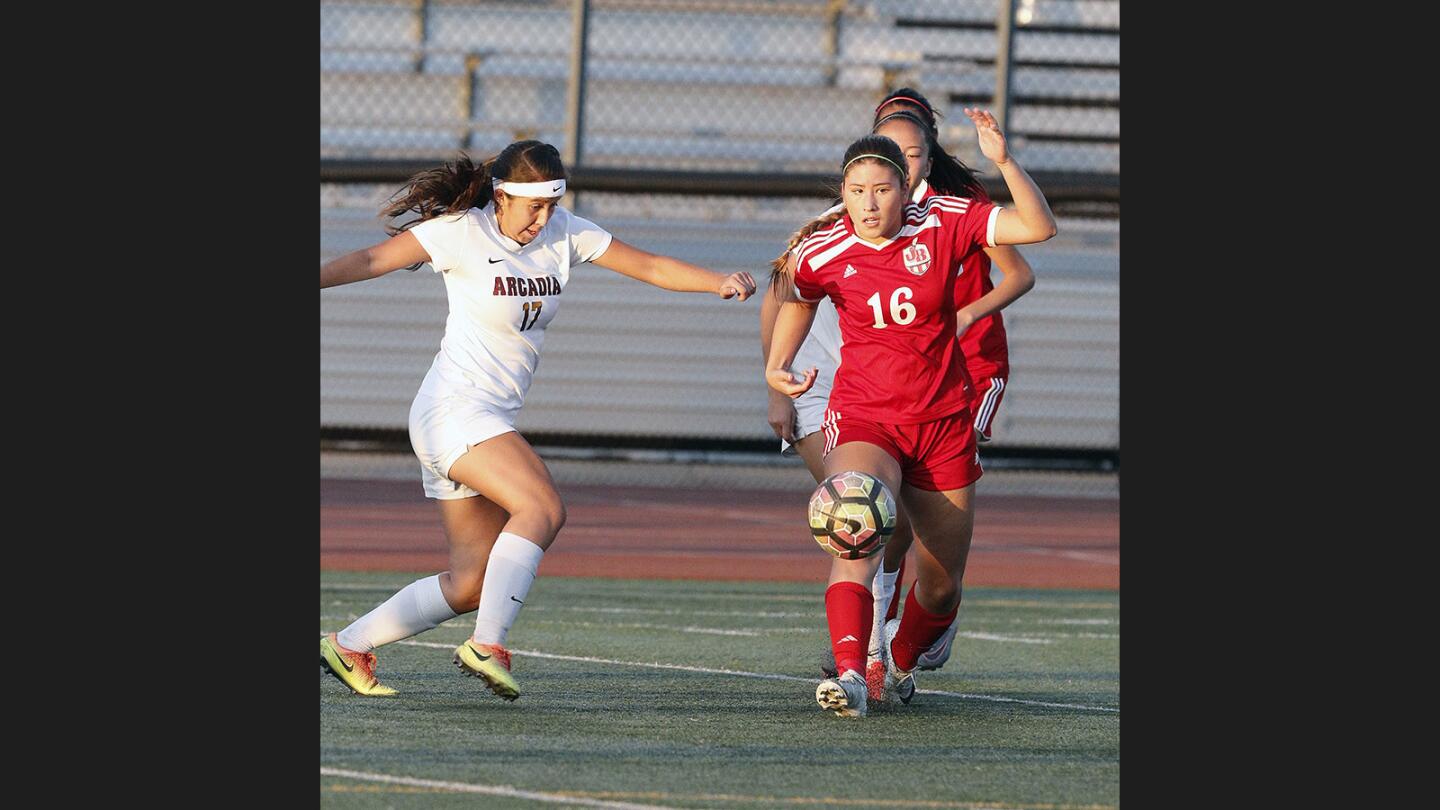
(768, 89)
(714, 84)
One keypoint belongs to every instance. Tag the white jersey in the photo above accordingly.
(821, 348)
(502, 297)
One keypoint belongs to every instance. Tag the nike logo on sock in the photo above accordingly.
(517, 600)
(495, 261)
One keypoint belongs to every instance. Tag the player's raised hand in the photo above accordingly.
(783, 381)
(737, 285)
(992, 141)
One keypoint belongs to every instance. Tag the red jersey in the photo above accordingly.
(900, 362)
(987, 352)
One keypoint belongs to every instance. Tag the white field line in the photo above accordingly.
(1076, 621)
(489, 790)
(583, 797)
(673, 612)
(766, 676)
(816, 598)
(812, 615)
(1016, 639)
(712, 631)
(1023, 638)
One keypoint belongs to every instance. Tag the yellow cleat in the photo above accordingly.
(489, 662)
(354, 669)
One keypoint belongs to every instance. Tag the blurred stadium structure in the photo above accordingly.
(708, 130)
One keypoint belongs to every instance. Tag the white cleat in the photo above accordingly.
(899, 684)
(845, 696)
(939, 652)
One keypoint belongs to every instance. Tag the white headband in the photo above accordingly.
(548, 188)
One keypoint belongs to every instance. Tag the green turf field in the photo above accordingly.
(663, 693)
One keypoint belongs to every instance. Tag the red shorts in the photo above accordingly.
(984, 401)
(938, 455)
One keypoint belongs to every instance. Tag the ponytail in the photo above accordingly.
(453, 188)
(780, 280)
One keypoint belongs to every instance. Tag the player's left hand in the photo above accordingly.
(963, 322)
(737, 285)
(992, 141)
(783, 381)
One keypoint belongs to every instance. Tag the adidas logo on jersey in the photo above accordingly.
(849, 271)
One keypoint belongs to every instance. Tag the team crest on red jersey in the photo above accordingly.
(917, 258)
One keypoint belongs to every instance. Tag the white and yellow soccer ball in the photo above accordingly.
(852, 514)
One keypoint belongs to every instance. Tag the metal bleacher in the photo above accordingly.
(726, 85)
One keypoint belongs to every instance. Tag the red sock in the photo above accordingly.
(895, 597)
(849, 609)
(919, 628)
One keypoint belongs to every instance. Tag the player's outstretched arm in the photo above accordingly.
(401, 250)
(1019, 279)
(791, 327)
(672, 274)
(1031, 219)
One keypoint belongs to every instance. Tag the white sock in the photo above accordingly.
(508, 576)
(416, 608)
(882, 588)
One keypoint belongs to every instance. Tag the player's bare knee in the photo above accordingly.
(940, 597)
(462, 589)
(555, 514)
(467, 587)
(549, 512)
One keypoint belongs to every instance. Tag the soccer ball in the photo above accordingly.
(852, 514)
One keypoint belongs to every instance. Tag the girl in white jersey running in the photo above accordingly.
(505, 249)
(906, 117)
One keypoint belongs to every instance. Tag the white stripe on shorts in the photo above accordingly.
(986, 411)
(832, 431)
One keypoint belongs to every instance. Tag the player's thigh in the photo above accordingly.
(811, 450)
(943, 524)
(867, 458)
(899, 542)
(507, 471)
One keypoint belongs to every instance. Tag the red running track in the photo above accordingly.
(649, 532)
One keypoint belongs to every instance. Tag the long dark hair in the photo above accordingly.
(948, 174)
(455, 188)
(870, 146)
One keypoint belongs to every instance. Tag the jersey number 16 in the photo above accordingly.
(901, 312)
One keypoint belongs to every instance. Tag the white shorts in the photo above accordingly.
(810, 410)
(444, 429)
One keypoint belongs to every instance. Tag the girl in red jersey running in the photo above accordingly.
(906, 117)
(899, 410)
